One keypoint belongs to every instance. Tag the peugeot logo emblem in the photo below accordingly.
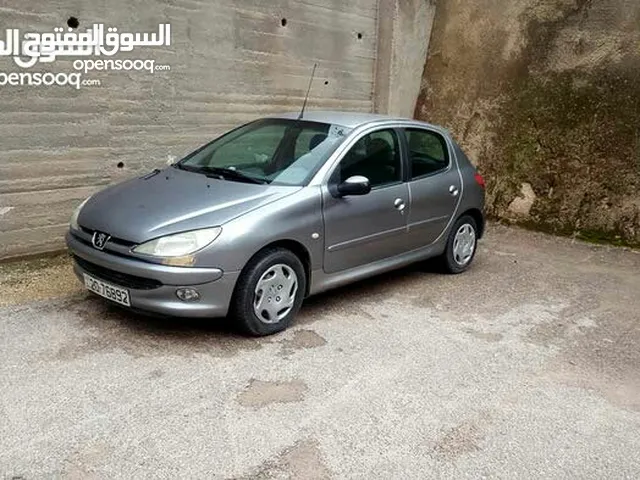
(100, 240)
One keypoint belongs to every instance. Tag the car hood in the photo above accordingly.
(172, 201)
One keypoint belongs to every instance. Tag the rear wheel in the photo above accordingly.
(461, 245)
(269, 292)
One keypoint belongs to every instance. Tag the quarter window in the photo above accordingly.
(375, 156)
(427, 152)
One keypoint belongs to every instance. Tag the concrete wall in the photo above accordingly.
(544, 95)
(403, 42)
(230, 62)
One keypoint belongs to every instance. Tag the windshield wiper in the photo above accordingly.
(232, 174)
(222, 173)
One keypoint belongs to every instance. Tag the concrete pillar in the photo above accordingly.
(404, 29)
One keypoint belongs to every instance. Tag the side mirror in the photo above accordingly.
(356, 185)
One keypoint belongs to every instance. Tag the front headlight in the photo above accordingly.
(180, 244)
(73, 223)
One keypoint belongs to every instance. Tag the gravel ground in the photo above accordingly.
(527, 366)
(37, 279)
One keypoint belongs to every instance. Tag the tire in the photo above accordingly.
(273, 283)
(457, 260)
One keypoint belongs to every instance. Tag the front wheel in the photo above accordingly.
(269, 292)
(461, 245)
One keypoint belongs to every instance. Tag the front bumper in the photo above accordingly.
(152, 287)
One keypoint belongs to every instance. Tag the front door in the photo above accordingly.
(364, 229)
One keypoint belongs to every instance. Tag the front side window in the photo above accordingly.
(427, 152)
(375, 156)
(272, 151)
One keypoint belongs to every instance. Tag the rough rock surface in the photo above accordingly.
(545, 92)
(521, 205)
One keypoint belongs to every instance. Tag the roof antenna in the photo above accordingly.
(313, 72)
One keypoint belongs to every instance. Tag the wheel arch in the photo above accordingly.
(478, 216)
(295, 247)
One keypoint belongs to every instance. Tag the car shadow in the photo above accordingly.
(137, 331)
(347, 296)
(106, 327)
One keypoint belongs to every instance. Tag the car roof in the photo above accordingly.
(347, 119)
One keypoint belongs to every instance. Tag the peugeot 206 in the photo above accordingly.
(276, 210)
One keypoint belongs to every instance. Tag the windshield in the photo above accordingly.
(271, 151)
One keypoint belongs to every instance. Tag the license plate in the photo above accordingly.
(106, 290)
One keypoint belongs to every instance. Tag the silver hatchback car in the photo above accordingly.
(276, 210)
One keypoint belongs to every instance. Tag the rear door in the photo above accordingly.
(435, 185)
(364, 229)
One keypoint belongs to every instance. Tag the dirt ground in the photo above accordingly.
(527, 366)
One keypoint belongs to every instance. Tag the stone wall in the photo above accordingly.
(544, 96)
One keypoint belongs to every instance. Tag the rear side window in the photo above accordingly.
(428, 153)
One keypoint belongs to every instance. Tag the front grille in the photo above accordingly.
(119, 278)
(115, 240)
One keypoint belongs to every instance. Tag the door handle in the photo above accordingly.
(399, 204)
(453, 190)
